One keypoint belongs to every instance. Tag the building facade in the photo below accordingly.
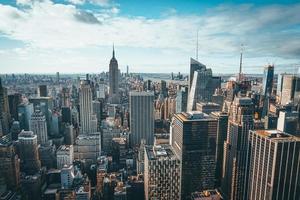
(162, 173)
(273, 165)
(141, 117)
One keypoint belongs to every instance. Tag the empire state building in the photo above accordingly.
(113, 78)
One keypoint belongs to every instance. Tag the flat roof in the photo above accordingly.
(277, 135)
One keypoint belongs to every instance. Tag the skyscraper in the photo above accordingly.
(9, 163)
(86, 108)
(193, 138)
(181, 100)
(113, 78)
(4, 109)
(202, 86)
(38, 126)
(290, 91)
(273, 165)
(267, 88)
(43, 90)
(268, 80)
(222, 127)
(29, 155)
(141, 117)
(194, 66)
(235, 155)
(162, 173)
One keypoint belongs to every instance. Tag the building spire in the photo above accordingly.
(241, 62)
(113, 50)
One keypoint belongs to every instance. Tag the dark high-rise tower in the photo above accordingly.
(113, 76)
(193, 137)
(4, 110)
(267, 88)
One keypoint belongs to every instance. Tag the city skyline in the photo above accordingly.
(43, 36)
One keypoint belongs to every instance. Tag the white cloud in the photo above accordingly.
(96, 2)
(52, 27)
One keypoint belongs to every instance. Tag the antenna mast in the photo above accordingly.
(241, 63)
(197, 44)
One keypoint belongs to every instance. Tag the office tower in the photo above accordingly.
(181, 100)
(97, 110)
(65, 97)
(290, 89)
(67, 176)
(14, 100)
(4, 109)
(162, 173)
(57, 77)
(235, 147)
(29, 156)
(163, 88)
(194, 66)
(86, 108)
(279, 85)
(274, 158)
(55, 123)
(113, 77)
(193, 138)
(268, 80)
(288, 122)
(25, 111)
(43, 91)
(46, 106)
(15, 130)
(202, 87)
(66, 116)
(267, 88)
(9, 163)
(47, 155)
(64, 156)
(127, 70)
(38, 126)
(69, 134)
(101, 92)
(222, 126)
(141, 117)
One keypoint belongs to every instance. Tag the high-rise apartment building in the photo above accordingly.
(38, 126)
(141, 117)
(273, 165)
(161, 173)
(29, 155)
(235, 156)
(193, 138)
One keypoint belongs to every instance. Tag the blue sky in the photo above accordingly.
(76, 36)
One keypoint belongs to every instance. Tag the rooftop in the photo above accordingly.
(157, 152)
(276, 135)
